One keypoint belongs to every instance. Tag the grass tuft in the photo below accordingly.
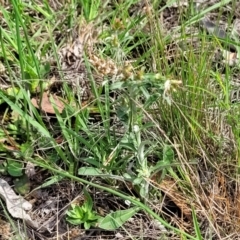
(147, 125)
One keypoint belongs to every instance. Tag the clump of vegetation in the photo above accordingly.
(131, 106)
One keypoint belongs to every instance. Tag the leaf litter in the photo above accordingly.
(50, 203)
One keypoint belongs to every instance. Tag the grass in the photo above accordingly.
(158, 136)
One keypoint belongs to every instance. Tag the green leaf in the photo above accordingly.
(137, 181)
(168, 154)
(14, 92)
(14, 168)
(89, 171)
(75, 213)
(22, 185)
(52, 180)
(196, 225)
(118, 85)
(88, 200)
(78, 212)
(32, 121)
(127, 176)
(116, 219)
(27, 149)
(92, 216)
(123, 113)
(3, 167)
(141, 154)
(144, 190)
(76, 221)
(44, 69)
(87, 225)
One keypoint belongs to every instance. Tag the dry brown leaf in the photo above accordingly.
(230, 58)
(16, 204)
(48, 103)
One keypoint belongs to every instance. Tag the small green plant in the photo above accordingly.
(83, 214)
(90, 9)
(144, 171)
